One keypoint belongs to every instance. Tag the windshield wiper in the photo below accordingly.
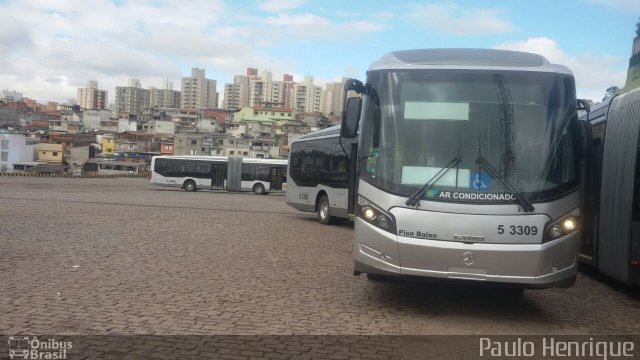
(413, 199)
(526, 205)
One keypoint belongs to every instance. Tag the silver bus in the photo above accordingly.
(611, 190)
(468, 164)
(192, 173)
(320, 174)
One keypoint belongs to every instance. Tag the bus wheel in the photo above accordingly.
(323, 211)
(189, 185)
(258, 189)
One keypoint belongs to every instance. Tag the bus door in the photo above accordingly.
(277, 174)
(218, 175)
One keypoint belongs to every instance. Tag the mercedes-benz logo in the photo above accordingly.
(468, 258)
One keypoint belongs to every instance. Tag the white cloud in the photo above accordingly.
(281, 5)
(627, 5)
(14, 34)
(593, 73)
(48, 48)
(458, 20)
(306, 27)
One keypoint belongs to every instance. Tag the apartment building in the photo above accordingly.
(236, 95)
(198, 92)
(264, 90)
(307, 97)
(164, 98)
(133, 98)
(92, 97)
(333, 100)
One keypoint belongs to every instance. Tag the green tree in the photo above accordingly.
(612, 90)
(638, 29)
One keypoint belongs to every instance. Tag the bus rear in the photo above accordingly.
(468, 168)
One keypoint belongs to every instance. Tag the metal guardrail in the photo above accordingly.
(34, 174)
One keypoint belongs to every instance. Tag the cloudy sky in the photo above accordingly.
(49, 48)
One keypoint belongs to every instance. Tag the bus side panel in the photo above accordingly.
(299, 197)
(618, 175)
(234, 173)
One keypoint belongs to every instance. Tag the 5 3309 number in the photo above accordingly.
(518, 230)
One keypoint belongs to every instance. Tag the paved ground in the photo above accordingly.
(119, 256)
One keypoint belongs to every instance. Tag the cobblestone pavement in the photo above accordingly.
(119, 256)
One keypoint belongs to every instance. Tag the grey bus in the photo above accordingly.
(219, 172)
(611, 190)
(468, 163)
(320, 174)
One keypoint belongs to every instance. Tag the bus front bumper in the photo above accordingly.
(552, 264)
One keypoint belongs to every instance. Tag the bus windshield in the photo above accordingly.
(512, 131)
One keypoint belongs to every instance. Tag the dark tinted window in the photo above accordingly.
(262, 172)
(248, 172)
(204, 167)
(319, 161)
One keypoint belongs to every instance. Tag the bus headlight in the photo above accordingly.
(562, 227)
(569, 224)
(375, 216)
(555, 231)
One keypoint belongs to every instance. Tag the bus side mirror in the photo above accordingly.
(350, 117)
(583, 105)
(586, 139)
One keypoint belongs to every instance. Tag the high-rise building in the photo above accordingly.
(333, 100)
(91, 97)
(164, 98)
(264, 90)
(133, 98)
(287, 90)
(307, 97)
(198, 92)
(7, 95)
(236, 95)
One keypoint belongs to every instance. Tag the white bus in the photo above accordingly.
(468, 164)
(320, 174)
(192, 173)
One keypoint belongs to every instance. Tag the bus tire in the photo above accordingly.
(189, 185)
(323, 211)
(258, 189)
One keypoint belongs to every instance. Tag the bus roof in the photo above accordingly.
(192, 157)
(265, 161)
(223, 158)
(598, 112)
(331, 131)
(472, 59)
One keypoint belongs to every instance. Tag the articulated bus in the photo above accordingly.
(611, 202)
(468, 164)
(192, 173)
(320, 174)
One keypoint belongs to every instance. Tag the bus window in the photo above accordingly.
(204, 168)
(190, 168)
(175, 168)
(161, 166)
(261, 172)
(248, 172)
